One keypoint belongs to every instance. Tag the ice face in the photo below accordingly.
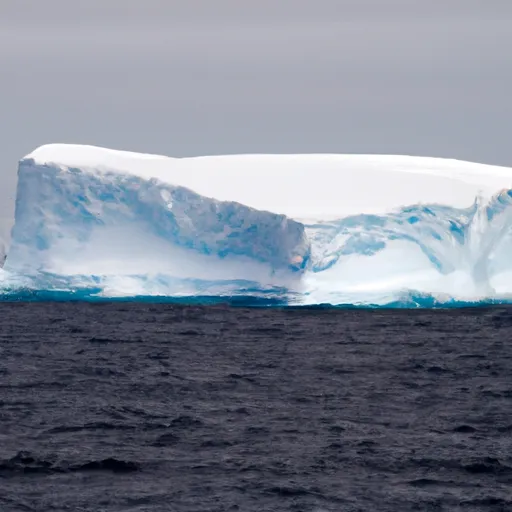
(69, 220)
(431, 248)
(326, 228)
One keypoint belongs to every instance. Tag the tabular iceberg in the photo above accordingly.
(363, 229)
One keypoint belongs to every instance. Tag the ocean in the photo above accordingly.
(110, 407)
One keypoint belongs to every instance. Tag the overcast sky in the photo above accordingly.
(196, 77)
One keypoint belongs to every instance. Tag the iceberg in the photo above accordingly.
(338, 229)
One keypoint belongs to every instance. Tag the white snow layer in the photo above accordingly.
(334, 228)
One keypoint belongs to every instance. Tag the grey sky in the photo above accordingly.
(192, 77)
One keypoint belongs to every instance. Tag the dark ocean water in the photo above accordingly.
(139, 407)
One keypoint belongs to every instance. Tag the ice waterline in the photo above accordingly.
(98, 224)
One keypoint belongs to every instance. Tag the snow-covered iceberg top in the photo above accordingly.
(300, 186)
(323, 227)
